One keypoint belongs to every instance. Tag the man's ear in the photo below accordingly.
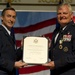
(1, 18)
(72, 15)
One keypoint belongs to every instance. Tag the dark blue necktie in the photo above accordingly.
(60, 33)
(12, 36)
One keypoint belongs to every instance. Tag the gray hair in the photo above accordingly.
(65, 4)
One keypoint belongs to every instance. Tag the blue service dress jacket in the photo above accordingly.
(8, 54)
(62, 52)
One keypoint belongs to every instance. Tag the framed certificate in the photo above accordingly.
(35, 50)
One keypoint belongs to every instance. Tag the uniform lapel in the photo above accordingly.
(7, 35)
(65, 31)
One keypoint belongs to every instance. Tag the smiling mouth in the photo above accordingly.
(10, 22)
(62, 18)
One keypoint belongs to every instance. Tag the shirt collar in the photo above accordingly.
(64, 27)
(6, 29)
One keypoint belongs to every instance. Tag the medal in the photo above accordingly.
(65, 49)
(60, 41)
(60, 46)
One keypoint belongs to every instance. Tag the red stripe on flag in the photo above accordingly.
(18, 43)
(35, 27)
(48, 35)
(32, 69)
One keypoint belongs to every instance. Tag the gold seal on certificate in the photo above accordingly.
(35, 50)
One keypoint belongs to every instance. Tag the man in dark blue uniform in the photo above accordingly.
(62, 50)
(9, 56)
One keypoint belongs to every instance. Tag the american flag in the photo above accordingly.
(32, 23)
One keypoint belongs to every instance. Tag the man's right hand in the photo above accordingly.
(20, 64)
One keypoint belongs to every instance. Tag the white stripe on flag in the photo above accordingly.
(45, 72)
(39, 32)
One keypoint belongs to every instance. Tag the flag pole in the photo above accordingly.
(8, 3)
(61, 1)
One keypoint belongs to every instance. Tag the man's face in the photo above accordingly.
(64, 15)
(9, 18)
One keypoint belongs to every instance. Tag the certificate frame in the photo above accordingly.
(35, 50)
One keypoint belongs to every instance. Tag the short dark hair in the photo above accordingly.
(8, 8)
